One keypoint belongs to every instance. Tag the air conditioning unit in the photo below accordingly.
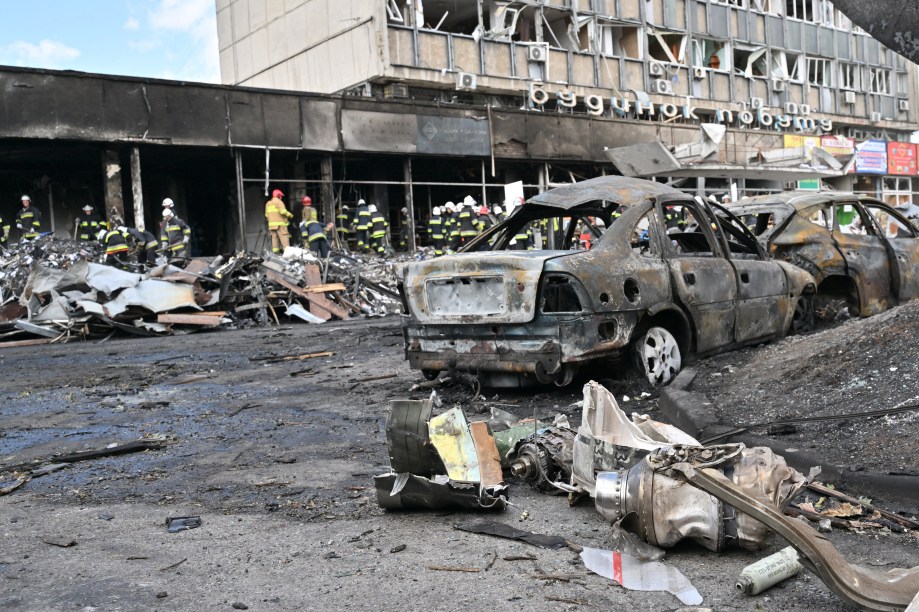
(791, 108)
(850, 97)
(756, 103)
(538, 53)
(465, 81)
(804, 109)
(903, 105)
(876, 116)
(778, 84)
(699, 73)
(661, 86)
(656, 69)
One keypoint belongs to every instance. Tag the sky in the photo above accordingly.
(167, 39)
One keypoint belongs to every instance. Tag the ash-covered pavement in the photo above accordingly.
(277, 457)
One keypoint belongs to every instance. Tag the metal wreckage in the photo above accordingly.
(52, 290)
(654, 483)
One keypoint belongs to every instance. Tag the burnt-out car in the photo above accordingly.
(625, 268)
(863, 253)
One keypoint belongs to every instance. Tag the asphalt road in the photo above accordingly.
(277, 459)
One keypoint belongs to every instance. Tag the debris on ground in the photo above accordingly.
(174, 524)
(645, 477)
(54, 290)
(769, 571)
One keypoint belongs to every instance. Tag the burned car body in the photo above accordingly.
(861, 251)
(663, 275)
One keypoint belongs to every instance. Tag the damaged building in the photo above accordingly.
(411, 104)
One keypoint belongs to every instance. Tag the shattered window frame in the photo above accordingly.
(879, 80)
(662, 43)
(720, 49)
(750, 61)
(617, 33)
(820, 71)
(849, 74)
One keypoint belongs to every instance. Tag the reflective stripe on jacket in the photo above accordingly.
(277, 214)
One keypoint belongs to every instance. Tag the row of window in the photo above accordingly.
(814, 11)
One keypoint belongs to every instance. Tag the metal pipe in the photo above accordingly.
(267, 168)
(409, 203)
(241, 201)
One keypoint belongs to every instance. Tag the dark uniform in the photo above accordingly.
(88, 225)
(362, 225)
(342, 223)
(28, 220)
(403, 231)
(313, 232)
(145, 244)
(483, 221)
(116, 248)
(173, 233)
(451, 225)
(465, 226)
(436, 232)
(378, 225)
(523, 237)
(4, 231)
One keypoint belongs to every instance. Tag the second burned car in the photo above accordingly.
(620, 267)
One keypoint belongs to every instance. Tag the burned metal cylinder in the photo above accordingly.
(663, 509)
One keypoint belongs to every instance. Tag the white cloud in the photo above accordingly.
(45, 54)
(131, 24)
(182, 15)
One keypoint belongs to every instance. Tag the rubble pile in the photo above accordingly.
(655, 485)
(54, 290)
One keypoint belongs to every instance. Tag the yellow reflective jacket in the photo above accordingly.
(276, 213)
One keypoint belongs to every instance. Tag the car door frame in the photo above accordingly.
(763, 301)
(902, 250)
(706, 287)
(867, 259)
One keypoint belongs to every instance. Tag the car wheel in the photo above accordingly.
(430, 374)
(658, 356)
(804, 316)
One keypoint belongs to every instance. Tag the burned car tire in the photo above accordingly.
(430, 374)
(804, 317)
(658, 355)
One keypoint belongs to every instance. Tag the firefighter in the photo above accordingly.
(4, 232)
(342, 221)
(116, 247)
(145, 244)
(483, 221)
(174, 235)
(403, 230)
(278, 217)
(436, 231)
(314, 233)
(309, 212)
(88, 224)
(451, 226)
(378, 225)
(28, 220)
(522, 238)
(362, 225)
(466, 220)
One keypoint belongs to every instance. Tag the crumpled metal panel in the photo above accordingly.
(616, 189)
(107, 279)
(446, 289)
(155, 296)
(451, 437)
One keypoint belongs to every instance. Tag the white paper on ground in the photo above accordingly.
(637, 575)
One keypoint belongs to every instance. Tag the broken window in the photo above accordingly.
(849, 220)
(620, 41)
(819, 216)
(897, 191)
(692, 240)
(903, 83)
(392, 10)
(737, 3)
(879, 80)
(848, 76)
(820, 71)
(444, 15)
(799, 9)
(666, 47)
(786, 65)
(640, 238)
(750, 62)
(709, 53)
(773, 7)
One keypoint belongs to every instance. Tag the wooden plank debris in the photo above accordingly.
(204, 320)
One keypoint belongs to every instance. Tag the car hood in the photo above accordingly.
(481, 287)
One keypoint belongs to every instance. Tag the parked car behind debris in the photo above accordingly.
(863, 253)
(632, 268)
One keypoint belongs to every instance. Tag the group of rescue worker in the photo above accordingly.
(310, 229)
(117, 239)
(453, 225)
